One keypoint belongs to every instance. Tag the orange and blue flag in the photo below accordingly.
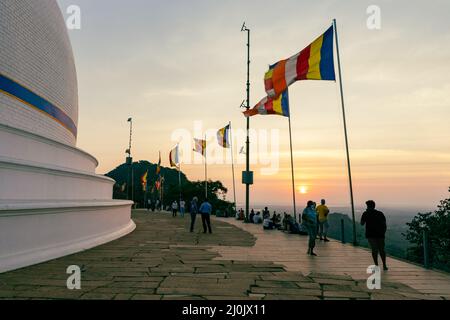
(315, 62)
(278, 106)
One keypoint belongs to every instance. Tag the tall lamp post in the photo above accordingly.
(247, 175)
(129, 162)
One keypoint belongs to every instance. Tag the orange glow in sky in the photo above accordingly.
(186, 62)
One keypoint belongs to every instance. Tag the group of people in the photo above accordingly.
(205, 210)
(268, 222)
(314, 222)
(153, 205)
(175, 208)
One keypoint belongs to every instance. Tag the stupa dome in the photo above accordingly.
(38, 81)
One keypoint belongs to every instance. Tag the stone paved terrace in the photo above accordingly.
(333, 257)
(161, 260)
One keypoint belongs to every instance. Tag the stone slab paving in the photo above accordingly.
(334, 257)
(161, 260)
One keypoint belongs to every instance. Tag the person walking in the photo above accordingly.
(149, 204)
(174, 208)
(375, 223)
(182, 207)
(194, 212)
(206, 210)
(322, 215)
(309, 218)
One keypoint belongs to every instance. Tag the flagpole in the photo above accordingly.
(206, 174)
(145, 192)
(292, 169)
(161, 192)
(345, 134)
(232, 166)
(179, 171)
(248, 175)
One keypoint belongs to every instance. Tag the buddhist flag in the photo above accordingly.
(174, 157)
(158, 167)
(144, 181)
(200, 146)
(315, 62)
(223, 137)
(278, 106)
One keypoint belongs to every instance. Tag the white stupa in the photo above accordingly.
(51, 201)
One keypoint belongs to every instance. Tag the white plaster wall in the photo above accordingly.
(24, 181)
(22, 145)
(29, 237)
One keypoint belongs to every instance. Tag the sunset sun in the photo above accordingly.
(303, 189)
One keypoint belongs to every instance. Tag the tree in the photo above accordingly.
(438, 226)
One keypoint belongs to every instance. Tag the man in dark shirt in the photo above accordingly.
(194, 211)
(375, 222)
(206, 210)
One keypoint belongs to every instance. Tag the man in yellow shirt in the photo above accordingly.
(322, 216)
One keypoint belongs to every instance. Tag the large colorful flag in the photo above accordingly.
(223, 137)
(277, 106)
(174, 157)
(200, 146)
(144, 181)
(315, 62)
(158, 167)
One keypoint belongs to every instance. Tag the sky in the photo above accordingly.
(179, 69)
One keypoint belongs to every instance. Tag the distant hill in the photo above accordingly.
(171, 186)
(120, 175)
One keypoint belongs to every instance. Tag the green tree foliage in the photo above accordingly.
(438, 226)
(216, 190)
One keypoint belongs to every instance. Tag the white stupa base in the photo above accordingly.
(31, 233)
(52, 203)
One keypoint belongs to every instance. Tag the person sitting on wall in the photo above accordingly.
(241, 215)
(275, 221)
(267, 223)
(285, 222)
(266, 213)
(252, 214)
(257, 219)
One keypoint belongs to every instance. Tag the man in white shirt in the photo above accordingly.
(174, 208)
